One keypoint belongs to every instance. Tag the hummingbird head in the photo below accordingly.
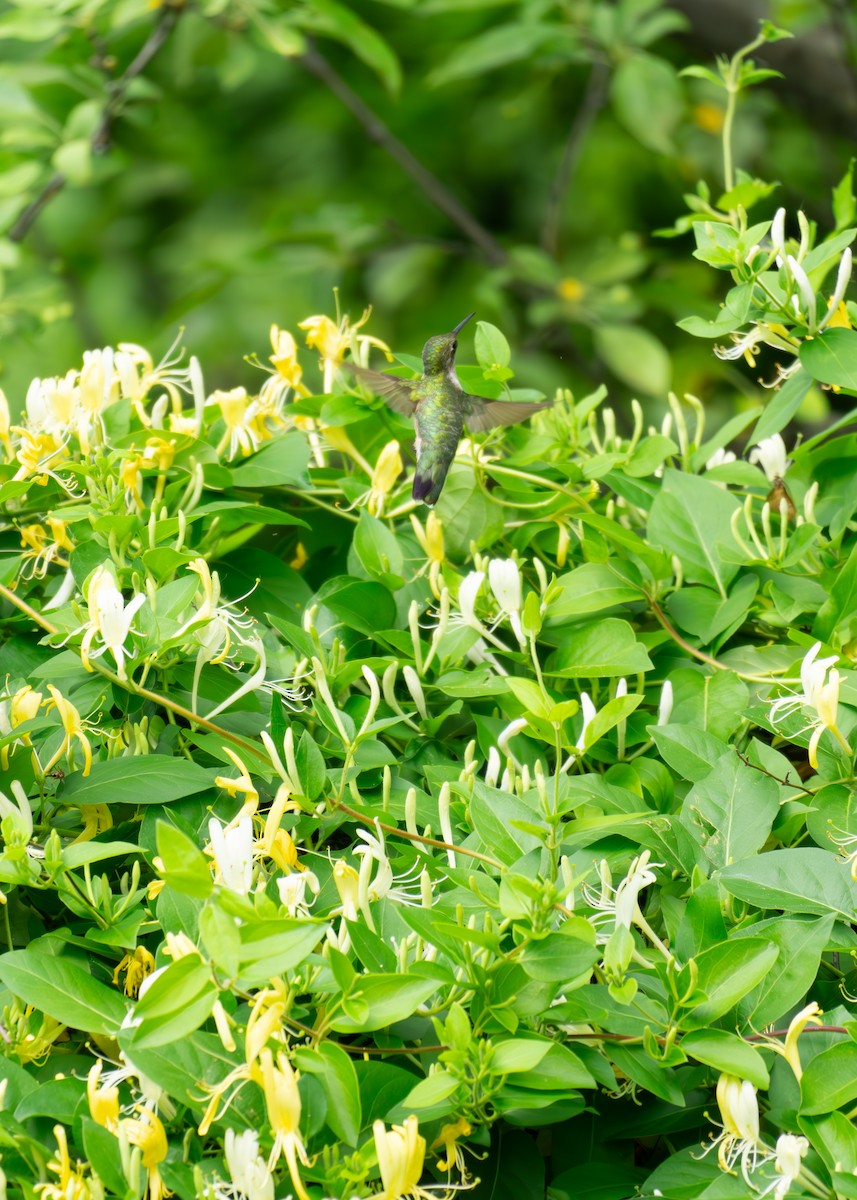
(439, 352)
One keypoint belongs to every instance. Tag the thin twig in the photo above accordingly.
(593, 102)
(680, 641)
(375, 129)
(785, 782)
(100, 139)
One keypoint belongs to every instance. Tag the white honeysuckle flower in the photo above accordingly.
(109, 619)
(843, 278)
(492, 766)
(467, 593)
(20, 811)
(801, 278)
(621, 904)
(251, 1177)
(588, 709)
(719, 458)
(778, 232)
(504, 576)
(790, 1150)
(771, 456)
(820, 696)
(665, 706)
(232, 851)
(293, 889)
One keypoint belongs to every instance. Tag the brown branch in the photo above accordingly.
(375, 129)
(100, 140)
(593, 101)
(799, 787)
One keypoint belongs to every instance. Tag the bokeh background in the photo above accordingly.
(264, 155)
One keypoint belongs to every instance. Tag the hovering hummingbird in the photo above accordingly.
(440, 408)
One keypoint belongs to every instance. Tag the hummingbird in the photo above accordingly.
(441, 408)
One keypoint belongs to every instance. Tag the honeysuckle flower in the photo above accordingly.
(843, 278)
(286, 374)
(504, 578)
(45, 547)
(333, 340)
(665, 705)
(5, 425)
(103, 1099)
(588, 710)
(401, 1154)
(788, 1155)
(621, 904)
(74, 730)
(805, 288)
(52, 405)
(243, 785)
(820, 696)
(23, 706)
(739, 1115)
(109, 619)
(20, 811)
(138, 967)
(387, 470)
(771, 456)
(403, 888)
(146, 1130)
(447, 1141)
(237, 412)
(809, 1015)
(293, 889)
(38, 454)
(72, 1183)
(430, 538)
(467, 592)
(137, 375)
(232, 852)
(347, 882)
(283, 1102)
(719, 458)
(250, 1174)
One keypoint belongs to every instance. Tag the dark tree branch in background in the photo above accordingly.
(100, 140)
(593, 101)
(377, 131)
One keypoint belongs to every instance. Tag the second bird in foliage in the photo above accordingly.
(440, 409)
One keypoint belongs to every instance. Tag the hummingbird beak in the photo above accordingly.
(461, 324)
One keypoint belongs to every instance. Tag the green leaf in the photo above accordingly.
(691, 752)
(727, 1052)
(559, 957)
(691, 518)
(498, 47)
(591, 588)
(832, 358)
(59, 987)
(636, 357)
(784, 404)
(334, 1070)
(518, 1054)
(185, 867)
(339, 21)
(271, 948)
(647, 98)
(599, 649)
(387, 999)
(492, 349)
(732, 810)
(175, 1004)
(378, 551)
(725, 974)
(829, 1080)
(802, 880)
(281, 462)
(801, 942)
(144, 779)
(492, 813)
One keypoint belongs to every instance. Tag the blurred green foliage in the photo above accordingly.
(234, 189)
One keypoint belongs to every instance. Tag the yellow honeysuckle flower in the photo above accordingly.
(333, 340)
(103, 1101)
(137, 966)
(387, 470)
(37, 453)
(23, 706)
(73, 727)
(96, 819)
(243, 784)
(431, 542)
(401, 1154)
(739, 1114)
(347, 882)
(447, 1140)
(285, 360)
(789, 1049)
(147, 1132)
(72, 1183)
(5, 420)
(283, 1102)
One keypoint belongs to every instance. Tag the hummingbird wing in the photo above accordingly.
(487, 414)
(397, 392)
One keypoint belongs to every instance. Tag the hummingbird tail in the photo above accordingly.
(429, 481)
